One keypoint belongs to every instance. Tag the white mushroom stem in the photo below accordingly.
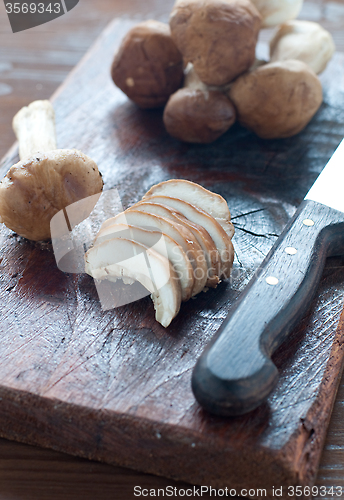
(34, 126)
(193, 82)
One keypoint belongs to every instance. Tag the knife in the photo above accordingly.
(235, 373)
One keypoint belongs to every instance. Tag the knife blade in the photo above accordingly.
(235, 373)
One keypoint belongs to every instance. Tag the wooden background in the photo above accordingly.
(32, 65)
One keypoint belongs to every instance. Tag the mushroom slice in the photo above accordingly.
(125, 258)
(195, 194)
(192, 212)
(211, 254)
(160, 242)
(220, 237)
(179, 233)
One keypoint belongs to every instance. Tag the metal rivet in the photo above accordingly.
(271, 280)
(290, 250)
(308, 222)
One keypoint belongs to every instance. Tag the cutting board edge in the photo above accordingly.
(71, 438)
(305, 443)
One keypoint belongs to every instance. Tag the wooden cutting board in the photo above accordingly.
(115, 386)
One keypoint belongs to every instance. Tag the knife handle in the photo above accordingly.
(235, 373)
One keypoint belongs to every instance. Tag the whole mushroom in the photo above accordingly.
(198, 113)
(148, 67)
(217, 36)
(275, 12)
(303, 40)
(46, 180)
(278, 99)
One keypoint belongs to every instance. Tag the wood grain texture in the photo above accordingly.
(82, 381)
(28, 472)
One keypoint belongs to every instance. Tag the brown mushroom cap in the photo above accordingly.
(198, 116)
(218, 36)
(148, 67)
(35, 189)
(278, 99)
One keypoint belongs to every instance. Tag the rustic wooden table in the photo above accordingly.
(32, 65)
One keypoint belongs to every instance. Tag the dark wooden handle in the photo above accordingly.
(235, 373)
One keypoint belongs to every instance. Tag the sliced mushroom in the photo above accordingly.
(176, 231)
(160, 242)
(195, 194)
(209, 249)
(193, 213)
(220, 236)
(181, 228)
(44, 181)
(127, 258)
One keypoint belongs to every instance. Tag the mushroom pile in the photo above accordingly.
(46, 179)
(202, 68)
(176, 242)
